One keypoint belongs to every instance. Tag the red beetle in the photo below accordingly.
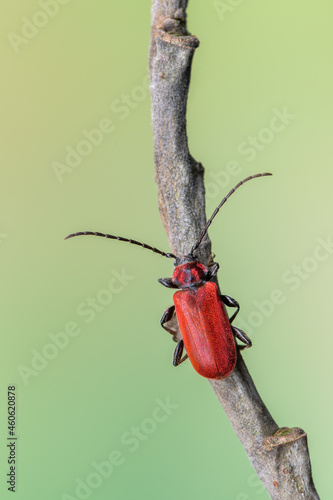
(206, 330)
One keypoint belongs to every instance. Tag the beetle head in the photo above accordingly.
(189, 272)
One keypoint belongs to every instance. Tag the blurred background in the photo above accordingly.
(101, 411)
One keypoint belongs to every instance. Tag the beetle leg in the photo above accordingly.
(167, 315)
(167, 282)
(242, 337)
(177, 355)
(230, 302)
(213, 270)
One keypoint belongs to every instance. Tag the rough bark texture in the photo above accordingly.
(172, 49)
(279, 456)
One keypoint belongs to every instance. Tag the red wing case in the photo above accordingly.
(206, 331)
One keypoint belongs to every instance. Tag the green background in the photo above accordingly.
(254, 57)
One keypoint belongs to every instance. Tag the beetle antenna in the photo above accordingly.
(120, 238)
(205, 229)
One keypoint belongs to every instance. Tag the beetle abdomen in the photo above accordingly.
(206, 331)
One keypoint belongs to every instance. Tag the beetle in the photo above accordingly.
(206, 329)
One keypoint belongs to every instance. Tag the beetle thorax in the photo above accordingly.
(189, 274)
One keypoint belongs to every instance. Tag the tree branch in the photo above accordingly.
(279, 456)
